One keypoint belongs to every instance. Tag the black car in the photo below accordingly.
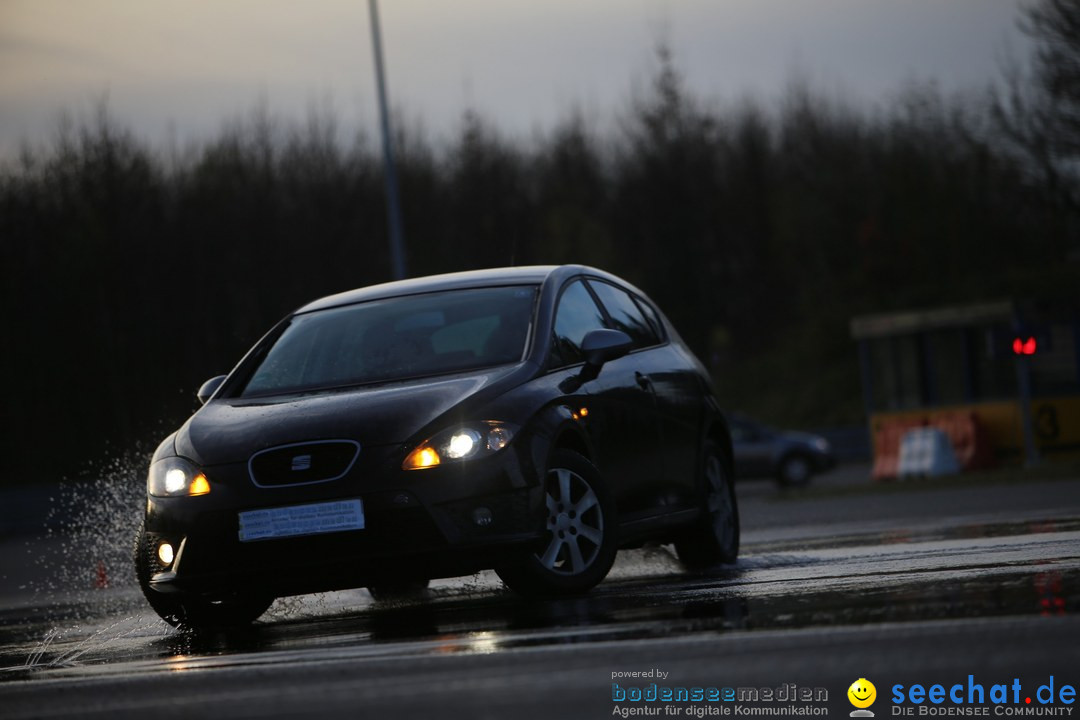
(531, 420)
(789, 456)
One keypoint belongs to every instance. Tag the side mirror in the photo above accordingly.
(601, 346)
(209, 388)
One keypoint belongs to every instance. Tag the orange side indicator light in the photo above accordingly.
(199, 485)
(422, 457)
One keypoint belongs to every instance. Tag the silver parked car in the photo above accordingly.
(791, 457)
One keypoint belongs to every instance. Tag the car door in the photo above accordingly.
(670, 378)
(621, 417)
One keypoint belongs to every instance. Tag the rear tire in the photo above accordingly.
(714, 540)
(580, 533)
(187, 611)
(795, 471)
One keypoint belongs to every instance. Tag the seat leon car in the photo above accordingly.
(531, 420)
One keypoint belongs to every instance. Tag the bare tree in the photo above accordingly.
(1038, 110)
(1055, 25)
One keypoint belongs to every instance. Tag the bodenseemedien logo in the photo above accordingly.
(785, 699)
(862, 695)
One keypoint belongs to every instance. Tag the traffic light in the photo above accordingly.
(1024, 345)
(1020, 340)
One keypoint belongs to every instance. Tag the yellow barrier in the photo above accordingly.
(1056, 422)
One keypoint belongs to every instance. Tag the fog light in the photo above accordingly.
(165, 553)
(482, 516)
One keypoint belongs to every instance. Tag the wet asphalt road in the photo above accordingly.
(918, 584)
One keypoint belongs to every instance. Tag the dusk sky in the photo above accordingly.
(176, 72)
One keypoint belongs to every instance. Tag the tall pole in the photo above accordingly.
(1023, 381)
(393, 206)
(1023, 376)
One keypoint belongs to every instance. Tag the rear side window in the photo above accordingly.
(576, 316)
(652, 316)
(625, 314)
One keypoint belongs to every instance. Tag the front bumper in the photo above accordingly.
(439, 522)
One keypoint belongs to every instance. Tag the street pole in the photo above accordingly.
(393, 206)
(1023, 376)
(1023, 382)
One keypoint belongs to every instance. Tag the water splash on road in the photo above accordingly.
(75, 645)
(89, 532)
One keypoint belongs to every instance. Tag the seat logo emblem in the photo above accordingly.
(301, 462)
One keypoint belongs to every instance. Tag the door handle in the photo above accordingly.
(643, 381)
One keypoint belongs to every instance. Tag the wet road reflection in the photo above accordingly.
(968, 571)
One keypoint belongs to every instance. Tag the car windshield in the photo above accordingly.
(397, 338)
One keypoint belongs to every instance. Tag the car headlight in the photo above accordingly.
(175, 476)
(460, 443)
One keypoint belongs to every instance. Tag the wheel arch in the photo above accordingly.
(719, 433)
(557, 428)
(572, 438)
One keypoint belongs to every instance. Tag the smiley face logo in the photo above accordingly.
(862, 693)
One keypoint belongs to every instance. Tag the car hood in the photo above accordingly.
(231, 429)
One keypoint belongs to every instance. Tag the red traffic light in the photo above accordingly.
(1024, 346)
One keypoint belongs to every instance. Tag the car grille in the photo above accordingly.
(303, 463)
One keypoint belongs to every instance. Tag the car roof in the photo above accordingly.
(526, 275)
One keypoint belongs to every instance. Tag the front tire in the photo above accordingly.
(714, 540)
(187, 611)
(580, 533)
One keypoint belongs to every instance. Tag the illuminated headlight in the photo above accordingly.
(821, 444)
(461, 443)
(175, 481)
(176, 476)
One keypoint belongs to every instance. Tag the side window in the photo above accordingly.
(625, 314)
(576, 316)
(652, 316)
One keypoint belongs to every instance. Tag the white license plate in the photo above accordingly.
(313, 519)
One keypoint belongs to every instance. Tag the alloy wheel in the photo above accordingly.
(575, 523)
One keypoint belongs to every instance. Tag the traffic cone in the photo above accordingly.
(102, 581)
